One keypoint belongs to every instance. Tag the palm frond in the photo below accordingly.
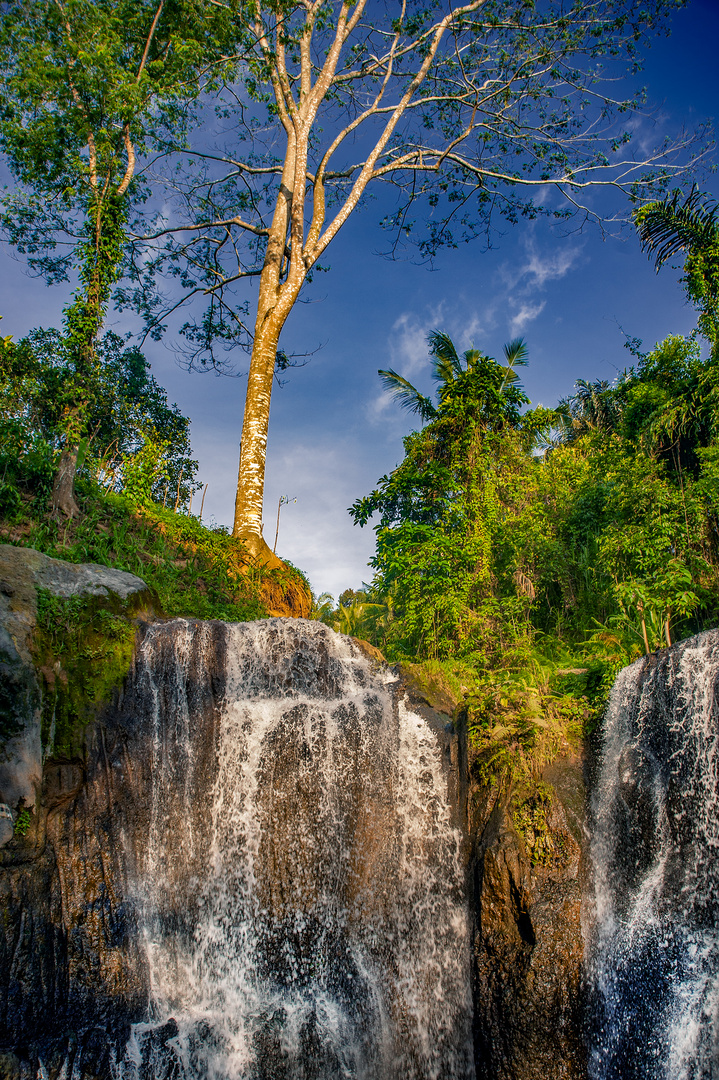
(446, 364)
(406, 395)
(669, 226)
(517, 355)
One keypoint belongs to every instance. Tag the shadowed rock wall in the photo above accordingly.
(72, 974)
(528, 949)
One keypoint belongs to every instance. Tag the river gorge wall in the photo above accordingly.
(268, 857)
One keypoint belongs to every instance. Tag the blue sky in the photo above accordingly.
(333, 432)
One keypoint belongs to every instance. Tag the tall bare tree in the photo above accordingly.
(479, 107)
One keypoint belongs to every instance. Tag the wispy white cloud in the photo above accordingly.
(531, 276)
(526, 314)
(467, 330)
(408, 342)
(540, 267)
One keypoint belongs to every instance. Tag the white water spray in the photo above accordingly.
(655, 854)
(302, 893)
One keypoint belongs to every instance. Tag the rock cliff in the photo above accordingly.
(528, 946)
(24, 574)
(73, 977)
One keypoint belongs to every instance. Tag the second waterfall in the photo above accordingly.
(300, 889)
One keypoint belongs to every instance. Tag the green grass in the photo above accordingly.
(83, 646)
(193, 571)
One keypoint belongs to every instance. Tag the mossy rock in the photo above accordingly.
(432, 686)
(67, 635)
(83, 648)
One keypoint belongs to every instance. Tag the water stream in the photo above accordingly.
(301, 889)
(655, 855)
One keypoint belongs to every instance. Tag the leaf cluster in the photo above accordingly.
(128, 422)
(89, 86)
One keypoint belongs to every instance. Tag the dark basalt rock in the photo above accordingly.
(72, 974)
(529, 997)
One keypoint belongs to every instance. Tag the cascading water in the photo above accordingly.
(655, 854)
(301, 889)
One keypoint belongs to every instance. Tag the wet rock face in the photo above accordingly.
(528, 944)
(348, 919)
(72, 974)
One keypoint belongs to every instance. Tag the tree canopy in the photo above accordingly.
(135, 443)
(606, 543)
(88, 88)
(478, 109)
(483, 108)
(672, 225)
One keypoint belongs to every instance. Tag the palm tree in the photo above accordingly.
(447, 370)
(670, 226)
(594, 407)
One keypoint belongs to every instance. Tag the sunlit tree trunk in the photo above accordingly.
(283, 274)
(273, 308)
(291, 251)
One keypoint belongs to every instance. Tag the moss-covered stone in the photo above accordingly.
(83, 652)
(534, 820)
(66, 639)
(429, 681)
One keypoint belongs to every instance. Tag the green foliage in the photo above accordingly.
(142, 472)
(535, 576)
(439, 510)
(87, 87)
(531, 817)
(192, 570)
(136, 443)
(670, 226)
(24, 820)
(518, 722)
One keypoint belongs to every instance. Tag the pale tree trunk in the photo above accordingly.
(253, 447)
(288, 249)
(275, 301)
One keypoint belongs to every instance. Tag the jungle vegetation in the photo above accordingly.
(523, 555)
(526, 554)
(467, 113)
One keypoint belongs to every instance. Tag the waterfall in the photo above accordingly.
(300, 885)
(654, 958)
